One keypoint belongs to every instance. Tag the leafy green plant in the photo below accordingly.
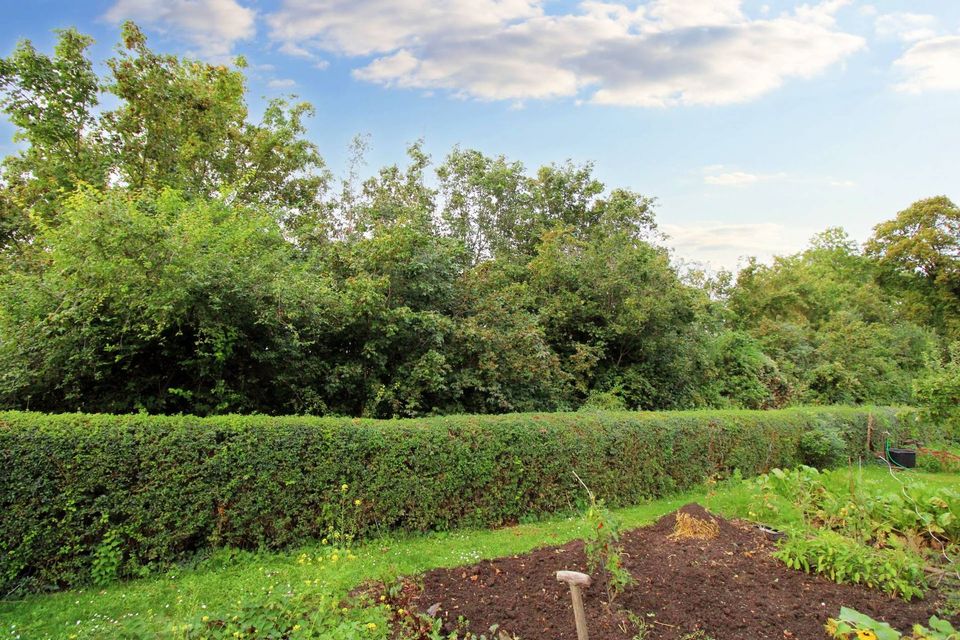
(843, 559)
(107, 556)
(853, 625)
(603, 549)
(279, 616)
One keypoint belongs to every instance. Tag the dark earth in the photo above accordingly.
(726, 588)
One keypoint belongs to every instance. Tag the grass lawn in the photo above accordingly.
(159, 606)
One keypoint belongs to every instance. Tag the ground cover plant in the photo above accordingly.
(229, 582)
(884, 540)
(853, 625)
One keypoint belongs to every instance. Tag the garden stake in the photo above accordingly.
(576, 580)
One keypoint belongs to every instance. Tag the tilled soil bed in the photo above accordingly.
(728, 587)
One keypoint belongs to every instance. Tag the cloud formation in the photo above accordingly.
(932, 64)
(908, 27)
(723, 245)
(721, 176)
(211, 26)
(659, 53)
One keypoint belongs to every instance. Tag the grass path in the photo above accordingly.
(156, 606)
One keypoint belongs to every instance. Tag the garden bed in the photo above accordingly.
(728, 588)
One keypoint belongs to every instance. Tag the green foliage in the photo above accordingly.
(853, 625)
(158, 304)
(918, 517)
(168, 254)
(173, 486)
(919, 252)
(842, 559)
(822, 447)
(603, 549)
(834, 333)
(282, 615)
(938, 394)
(856, 534)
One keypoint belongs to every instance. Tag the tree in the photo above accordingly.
(835, 334)
(618, 316)
(50, 100)
(160, 303)
(180, 124)
(920, 252)
(938, 392)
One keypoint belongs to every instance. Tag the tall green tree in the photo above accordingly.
(51, 101)
(919, 252)
(180, 124)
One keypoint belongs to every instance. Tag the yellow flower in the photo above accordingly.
(831, 627)
(400, 612)
(357, 502)
(344, 487)
(204, 618)
(372, 626)
(866, 634)
(296, 627)
(382, 598)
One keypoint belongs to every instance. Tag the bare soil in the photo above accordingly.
(727, 588)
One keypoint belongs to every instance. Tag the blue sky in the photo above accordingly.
(755, 124)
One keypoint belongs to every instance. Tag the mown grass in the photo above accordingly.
(159, 606)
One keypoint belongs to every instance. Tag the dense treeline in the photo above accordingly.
(167, 254)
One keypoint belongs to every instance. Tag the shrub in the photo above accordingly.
(95, 497)
(822, 447)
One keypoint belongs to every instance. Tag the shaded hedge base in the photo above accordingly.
(97, 497)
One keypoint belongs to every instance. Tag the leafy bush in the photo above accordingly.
(97, 497)
(938, 394)
(822, 447)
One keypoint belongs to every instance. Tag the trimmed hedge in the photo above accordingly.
(93, 497)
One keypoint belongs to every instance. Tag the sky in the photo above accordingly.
(755, 124)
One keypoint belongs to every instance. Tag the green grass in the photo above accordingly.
(157, 606)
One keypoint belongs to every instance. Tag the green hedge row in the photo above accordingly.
(95, 497)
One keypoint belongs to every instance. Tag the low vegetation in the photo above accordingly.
(301, 586)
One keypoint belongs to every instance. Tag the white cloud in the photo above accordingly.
(359, 27)
(844, 184)
(282, 83)
(930, 65)
(733, 178)
(721, 176)
(722, 244)
(661, 53)
(212, 26)
(908, 27)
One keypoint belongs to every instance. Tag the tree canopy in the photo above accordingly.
(168, 254)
